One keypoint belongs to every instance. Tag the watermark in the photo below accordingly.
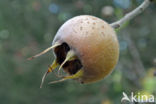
(140, 98)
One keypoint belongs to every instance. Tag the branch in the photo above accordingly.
(139, 67)
(132, 14)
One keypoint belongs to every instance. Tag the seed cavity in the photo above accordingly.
(66, 59)
(70, 66)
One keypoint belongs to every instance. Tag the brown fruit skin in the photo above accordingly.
(95, 43)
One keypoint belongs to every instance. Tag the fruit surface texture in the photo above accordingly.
(95, 46)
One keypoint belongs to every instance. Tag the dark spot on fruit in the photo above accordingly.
(94, 18)
(82, 82)
(103, 27)
(81, 28)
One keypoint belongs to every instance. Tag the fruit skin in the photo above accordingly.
(95, 43)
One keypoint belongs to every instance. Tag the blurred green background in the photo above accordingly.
(28, 26)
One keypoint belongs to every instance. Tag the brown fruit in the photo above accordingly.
(93, 47)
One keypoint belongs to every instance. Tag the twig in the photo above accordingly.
(139, 67)
(132, 14)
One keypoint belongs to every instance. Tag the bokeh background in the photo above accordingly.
(28, 26)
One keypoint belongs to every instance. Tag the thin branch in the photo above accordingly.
(139, 67)
(132, 14)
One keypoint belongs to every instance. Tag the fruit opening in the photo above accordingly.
(72, 66)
